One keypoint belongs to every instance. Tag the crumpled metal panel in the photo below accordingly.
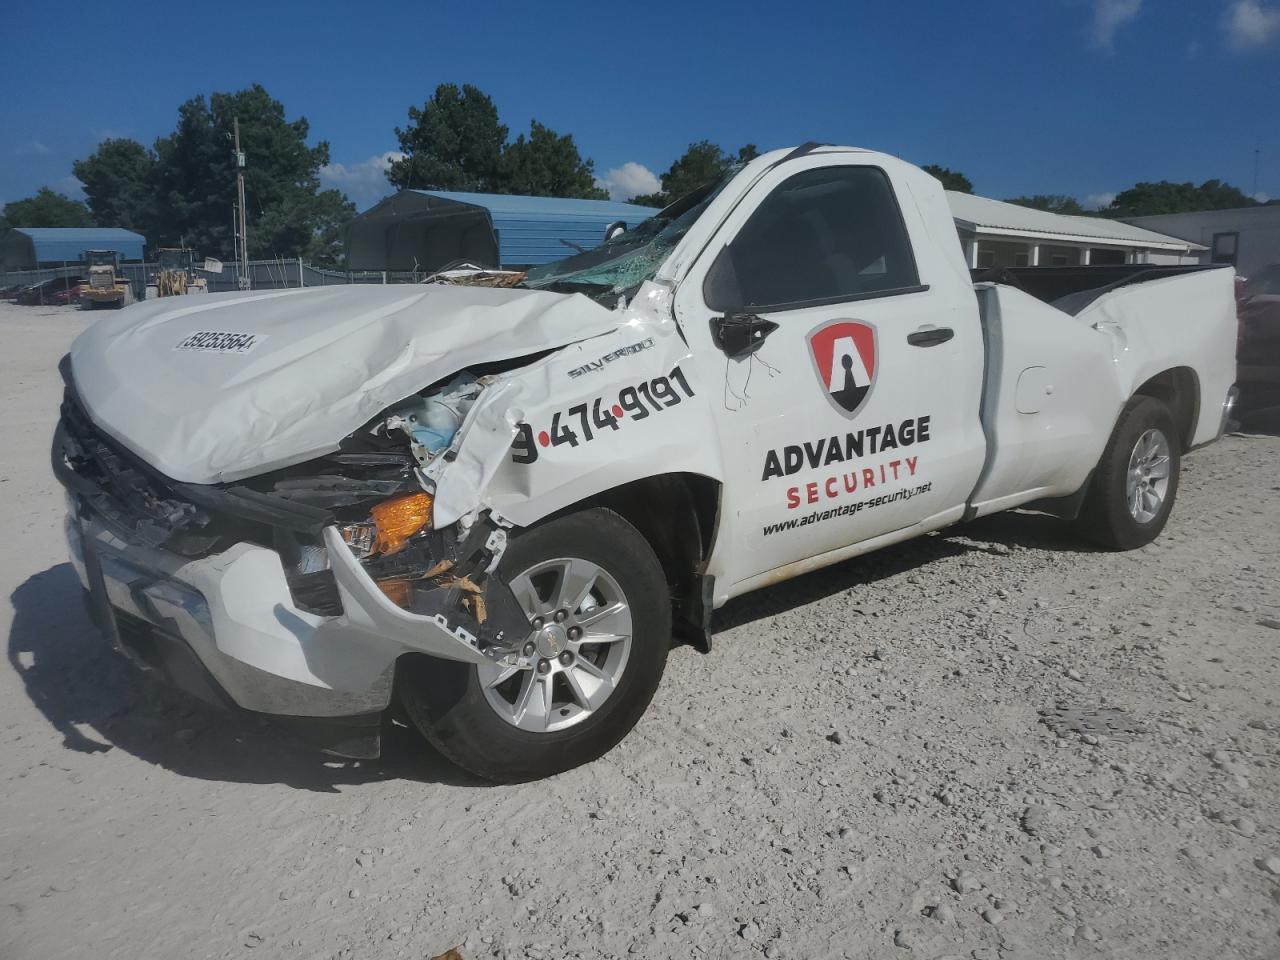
(217, 388)
(593, 416)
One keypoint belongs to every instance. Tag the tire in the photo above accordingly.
(1109, 517)
(475, 721)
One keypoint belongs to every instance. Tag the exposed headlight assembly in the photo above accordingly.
(390, 525)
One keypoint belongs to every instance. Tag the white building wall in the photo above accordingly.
(1258, 229)
(990, 251)
(1164, 258)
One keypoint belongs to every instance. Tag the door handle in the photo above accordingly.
(930, 336)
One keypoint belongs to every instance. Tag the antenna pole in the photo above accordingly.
(243, 229)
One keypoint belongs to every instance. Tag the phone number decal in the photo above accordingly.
(593, 417)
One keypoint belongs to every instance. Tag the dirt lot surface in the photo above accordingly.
(859, 769)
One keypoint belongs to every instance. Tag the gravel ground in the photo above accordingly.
(860, 768)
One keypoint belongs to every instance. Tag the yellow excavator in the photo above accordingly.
(177, 275)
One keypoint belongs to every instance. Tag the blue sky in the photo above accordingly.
(1082, 97)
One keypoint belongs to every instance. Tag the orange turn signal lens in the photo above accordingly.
(398, 519)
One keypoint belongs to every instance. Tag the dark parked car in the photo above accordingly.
(1258, 350)
(57, 290)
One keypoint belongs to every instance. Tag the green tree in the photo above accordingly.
(1051, 202)
(320, 220)
(119, 183)
(195, 179)
(547, 165)
(1147, 199)
(951, 179)
(194, 185)
(47, 209)
(701, 163)
(658, 199)
(454, 142)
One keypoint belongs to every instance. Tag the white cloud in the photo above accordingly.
(1096, 201)
(1108, 17)
(69, 186)
(1249, 24)
(32, 148)
(1262, 197)
(364, 183)
(629, 180)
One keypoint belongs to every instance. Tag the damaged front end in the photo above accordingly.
(338, 490)
(423, 563)
(366, 504)
(364, 576)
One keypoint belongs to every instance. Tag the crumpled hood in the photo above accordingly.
(217, 387)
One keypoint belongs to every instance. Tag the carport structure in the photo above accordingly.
(28, 248)
(424, 230)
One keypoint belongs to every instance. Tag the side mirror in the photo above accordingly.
(739, 335)
(617, 228)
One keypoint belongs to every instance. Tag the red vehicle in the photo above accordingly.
(1258, 348)
(55, 291)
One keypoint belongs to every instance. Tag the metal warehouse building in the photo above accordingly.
(426, 229)
(1248, 238)
(26, 248)
(999, 234)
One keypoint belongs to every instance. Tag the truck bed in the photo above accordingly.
(1066, 347)
(1071, 289)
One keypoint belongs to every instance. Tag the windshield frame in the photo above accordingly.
(602, 272)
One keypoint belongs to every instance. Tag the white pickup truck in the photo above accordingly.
(492, 506)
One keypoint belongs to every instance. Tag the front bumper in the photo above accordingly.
(225, 629)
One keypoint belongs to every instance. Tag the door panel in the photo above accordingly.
(858, 414)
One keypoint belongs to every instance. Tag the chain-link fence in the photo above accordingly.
(262, 275)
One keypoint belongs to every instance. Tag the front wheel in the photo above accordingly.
(575, 684)
(1136, 481)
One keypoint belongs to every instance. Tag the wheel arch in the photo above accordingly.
(1178, 388)
(678, 514)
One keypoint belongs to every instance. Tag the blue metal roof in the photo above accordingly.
(57, 244)
(532, 230)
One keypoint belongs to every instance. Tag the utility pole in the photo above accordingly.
(243, 230)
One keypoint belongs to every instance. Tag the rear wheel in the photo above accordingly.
(1136, 482)
(566, 692)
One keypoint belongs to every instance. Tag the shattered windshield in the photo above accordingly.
(620, 265)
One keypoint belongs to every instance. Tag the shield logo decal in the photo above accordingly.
(844, 358)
